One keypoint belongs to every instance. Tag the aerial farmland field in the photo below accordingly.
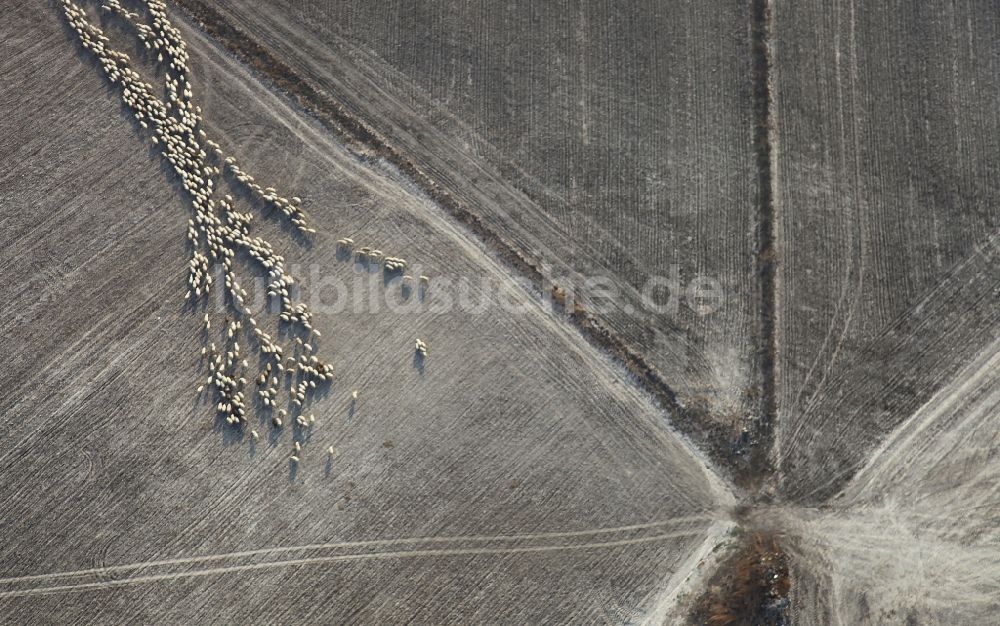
(452, 312)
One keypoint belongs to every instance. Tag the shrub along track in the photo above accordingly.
(713, 438)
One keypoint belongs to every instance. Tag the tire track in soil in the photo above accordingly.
(105, 574)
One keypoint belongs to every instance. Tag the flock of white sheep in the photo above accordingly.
(218, 230)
